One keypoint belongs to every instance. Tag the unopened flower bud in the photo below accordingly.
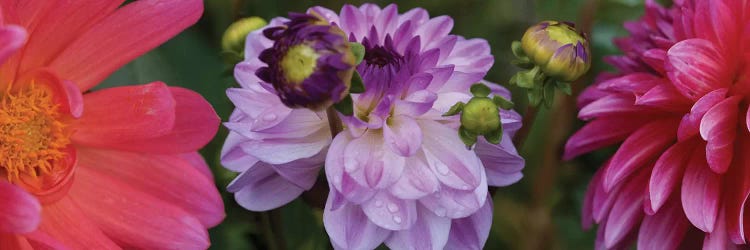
(310, 64)
(558, 49)
(234, 37)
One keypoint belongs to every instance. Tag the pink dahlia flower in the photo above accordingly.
(398, 173)
(104, 169)
(679, 106)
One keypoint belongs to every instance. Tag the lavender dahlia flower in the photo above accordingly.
(398, 173)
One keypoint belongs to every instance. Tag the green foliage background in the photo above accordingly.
(542, 211)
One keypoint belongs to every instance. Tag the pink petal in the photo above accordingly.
(452, 203)
(335, 171)
(349, 228)
(719, 128)
(626, 212)
(371, 163)
(664, 97)
(641, 147)
(122, 36)
(390, 212)
(719, 238)
(352, 22)
(690, 124)
(471, 232)
(429, 232)
(132, 217)
(602, 132)
(696, 67)
(737, 179)
(636, 83)
(668, 172)
(587, 208)
(403, 135)
(169, 178)
(665, 229)
(656, 59)
(143, 111)
(612, 105)
(701, 193)
(20, 212)
(59, 218)
(453, 164)
(416, 181)
(12, 38)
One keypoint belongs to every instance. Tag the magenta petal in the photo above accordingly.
(349, 228)
(690, 124)
(701, 193)
(664, 97)
(428, 232)
(719, 128)
(390, 212)
(696, 67)
(12, 38)
(636, 83)
(665, 229)
(403, 135)
(20, 212)
(626, 212)
(601, 132)
(668, 172)
(643, 146)
(719, 239)
(471, 232)
(613, 104)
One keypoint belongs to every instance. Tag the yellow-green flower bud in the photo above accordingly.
(480, 116)
(234, 37)
(558, 49)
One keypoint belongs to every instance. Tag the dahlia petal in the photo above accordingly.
(416, 104)
(169, 178)
(664, 97)
(701, 193)
(695, 67)
(58, 218)
(195, 125)
(197, 161)
(587, 209)
(302, 172)
(134, 218)
(390, 212)
(601, 132)
(41, 240)
(403, 135)
(20, 212)
(656, 59)
(141, 26)
(417, 181)
(452, 163)
(603, 200)
(471, 232)
(255, 101)
(626, 212)
(668, 172)
(371, 163)
(641, 147)
(719, 128)
(501, 162)
(280, 151)
(386, 22)
(143, 111)
(12, 38)
(636, 83)
(611, 105)
(353, 20)
(453, 203)
(690, 124)
(60, 26)
(719, 239)
(15, 242)
(717, 22)
(335, 171)
(590, 94)
(437, 27)
(737, 179)
(349, 228)
(665, 229)
(260, 188)
(428, 232)
(233, 157)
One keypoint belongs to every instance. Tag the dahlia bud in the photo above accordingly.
(557, 48)
(480, 116)
(310, 63)
(235, 35)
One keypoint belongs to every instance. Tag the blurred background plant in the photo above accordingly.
(542, 211)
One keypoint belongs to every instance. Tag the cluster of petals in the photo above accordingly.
(131, 177)
(398, 173)
(678, 104)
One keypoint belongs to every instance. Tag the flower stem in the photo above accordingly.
(528, 122)
(334, 122)
(316, 196)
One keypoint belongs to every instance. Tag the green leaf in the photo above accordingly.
(536, 95)
(517, 50)
(345, 106)
(495, 136)
(502, 102)
(455, 109)
(565, 87)
(480, 90)
(359, 52)
(357, 84)
(549, 94)
(467, 137)
(529, 78)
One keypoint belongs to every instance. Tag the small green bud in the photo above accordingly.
(558, 49)
(480, 116)
(235, 35)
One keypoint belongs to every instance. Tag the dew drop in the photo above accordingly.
(440, 211)
(465, 187)
(270, 117)
(442, 168)
(378, 203)
(392, 207)
(397, 219)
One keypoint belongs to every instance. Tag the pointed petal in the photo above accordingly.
(602, 132)
(501, 162)
(58, 218)
(471, 232)
(719, 128)
(403, 135)
(349, 228)
(665, 229)
(390, 212)
(690, 124)
(696, 67)
(20, 212)
(626, 212)
(668, 172)
(701, 193)
(452, 163)
(429, 232)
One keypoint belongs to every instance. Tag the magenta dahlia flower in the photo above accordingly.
(679, 106)
(399, 172)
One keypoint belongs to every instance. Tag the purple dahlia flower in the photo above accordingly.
(398, 173)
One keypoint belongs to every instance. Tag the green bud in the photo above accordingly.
(235, 35)
(558, 49)
(480, 116)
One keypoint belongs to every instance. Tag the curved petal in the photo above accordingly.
(348, 227)
(696, 67)
(59, 217)
(719, 128)
(233, 157)
(403, 135)
(20, 212)
(453, 164)
(701, 193)
(390, 212)
(371, 163)
(602, 132)
(668, 172)
(626, 211)
(453, 203)
(417, 180)
(471, 232)
(12, 38)
(428, 232)
(335, 170)
(665, 229)
(132, 217)
(501, 162)
(260, 188)
(169, 178)
(690, 124)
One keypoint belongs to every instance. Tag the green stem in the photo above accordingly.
(528, 122)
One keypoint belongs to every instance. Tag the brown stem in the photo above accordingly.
(527, 123)
(316, 196)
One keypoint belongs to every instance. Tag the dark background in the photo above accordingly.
(542, 211)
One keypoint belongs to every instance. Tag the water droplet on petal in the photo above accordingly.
(392, 207)
(465, 187)
(442, 168)
(378, 203)
(397, 219)
(440, 211)
(270, 117)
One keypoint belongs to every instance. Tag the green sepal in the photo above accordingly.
(530, 78)
(494, 137)
(565, 87)
(359, 52)
(232, 57)
(480, 90)
(345, 106)
(536, 95)
(467, 137)
(357, 85)
(523, 63)
(549, 93)
(502, 102)
(455, 109)
(518, 50)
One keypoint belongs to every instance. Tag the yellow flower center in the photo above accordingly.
(33, 135)
(299, 63)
